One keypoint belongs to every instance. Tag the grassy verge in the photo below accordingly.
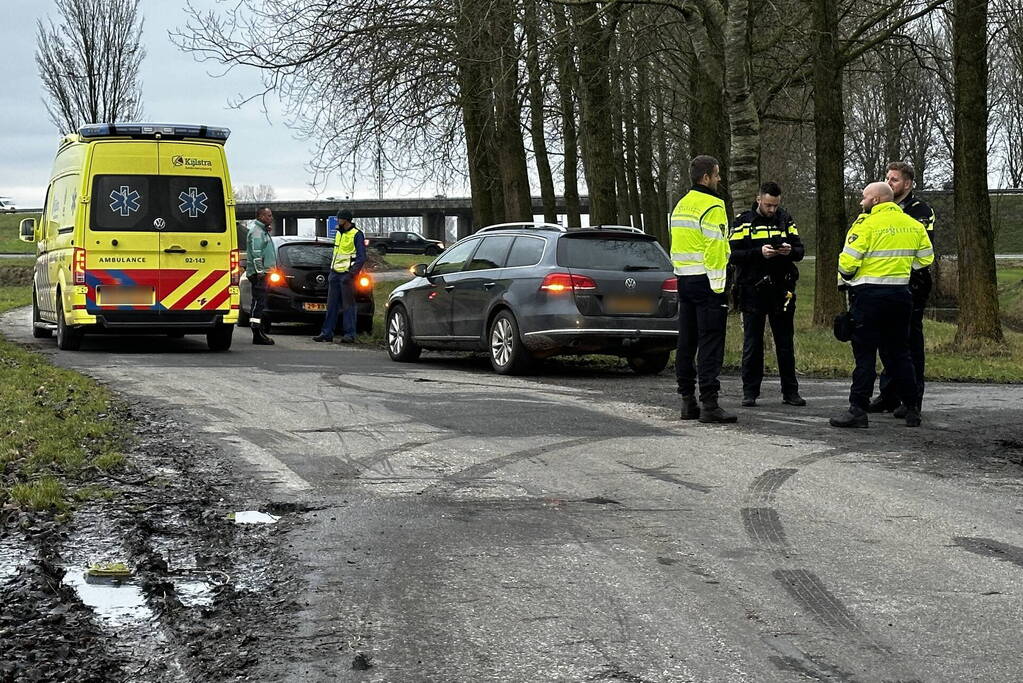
(404, 261)
(818, 354)
(9, 242)
(57, 427)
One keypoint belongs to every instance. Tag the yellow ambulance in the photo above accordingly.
(137, 235)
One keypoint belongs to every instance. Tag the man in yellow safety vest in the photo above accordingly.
(346, 262)
(884, 246)
(699, 254)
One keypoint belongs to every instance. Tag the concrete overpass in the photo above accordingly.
(432, 211)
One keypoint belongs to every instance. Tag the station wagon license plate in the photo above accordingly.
(310, 306)
(625, 305)
(116, 295)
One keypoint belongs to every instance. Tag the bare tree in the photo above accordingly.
(255, 193)
(978, 293)
(89, 62)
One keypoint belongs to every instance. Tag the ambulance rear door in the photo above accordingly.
(195, 243)
(121, 244)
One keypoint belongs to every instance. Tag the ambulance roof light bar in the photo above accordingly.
(154, 130)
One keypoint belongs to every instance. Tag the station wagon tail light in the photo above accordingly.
(236, 267)
(670, 285)
(275, 278)
(78, 265)
(567, 282)
(364, 282)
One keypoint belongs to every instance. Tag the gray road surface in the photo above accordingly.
(471, 527)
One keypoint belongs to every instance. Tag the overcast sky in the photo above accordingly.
(176, 89)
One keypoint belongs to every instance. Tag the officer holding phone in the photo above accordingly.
(765, 248)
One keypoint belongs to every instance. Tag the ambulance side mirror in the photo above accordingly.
(27, 231)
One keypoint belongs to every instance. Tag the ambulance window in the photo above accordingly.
(194, 204)
(124, 202)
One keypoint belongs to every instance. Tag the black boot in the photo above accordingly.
(690, 409)
(901, 412)
(711, 412)
(853, 417)
(259, 337)
(912, 416)
(882, 405)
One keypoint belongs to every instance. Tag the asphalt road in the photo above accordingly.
(567, 527)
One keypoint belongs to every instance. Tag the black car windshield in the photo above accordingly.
(601, 252)
(305, 256)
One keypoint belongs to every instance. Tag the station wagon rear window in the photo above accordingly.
(150, 203)
(602, 252)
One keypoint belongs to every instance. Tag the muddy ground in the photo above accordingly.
(205, 589)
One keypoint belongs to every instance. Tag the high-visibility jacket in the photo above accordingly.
(344, 250)
(883, 247)
(699, 237)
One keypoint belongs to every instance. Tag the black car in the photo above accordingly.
(404, 243)
(297, 287)
(528, 291)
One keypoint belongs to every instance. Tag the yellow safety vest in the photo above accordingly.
(883, 247)
(699, 237)
(344, 250)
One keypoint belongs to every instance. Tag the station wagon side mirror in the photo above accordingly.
(27, 230)
(419, 270)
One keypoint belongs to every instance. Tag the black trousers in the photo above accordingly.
(881, 327)
(916, 348)
(782, 329)
(702, 320)
(258, 283)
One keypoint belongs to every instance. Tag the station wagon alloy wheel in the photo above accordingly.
(508, 355)
(400, 346)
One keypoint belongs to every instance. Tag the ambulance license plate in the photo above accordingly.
(314, 306)
(116, 295)
(629, 305)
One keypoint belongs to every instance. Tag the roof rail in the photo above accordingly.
(627, 228)
(523, 226)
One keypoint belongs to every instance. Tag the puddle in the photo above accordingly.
(118, 603)
(12, 559)
(194, 592)
(253, 517)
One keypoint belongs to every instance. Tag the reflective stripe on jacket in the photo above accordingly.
(883, 247)
(699, 237)
(260, 254)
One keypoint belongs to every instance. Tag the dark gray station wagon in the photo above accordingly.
(523, 292)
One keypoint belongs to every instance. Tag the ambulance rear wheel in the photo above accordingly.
(68, 338)
(219, 338)
(38, 331)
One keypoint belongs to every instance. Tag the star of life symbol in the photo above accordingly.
(126, 201)
(193, 202)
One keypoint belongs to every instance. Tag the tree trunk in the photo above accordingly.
(743, 119)
(567, 87)
(829, 140)
(536, 117)
(978, 295)
(708, 124)
(511, 152)
(616, 109)
(653, 213)
(598, 157)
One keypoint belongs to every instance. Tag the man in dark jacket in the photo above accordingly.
(765, 248)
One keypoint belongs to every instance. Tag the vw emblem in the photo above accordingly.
(630, 283)
(159, 224)
(320, 279)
